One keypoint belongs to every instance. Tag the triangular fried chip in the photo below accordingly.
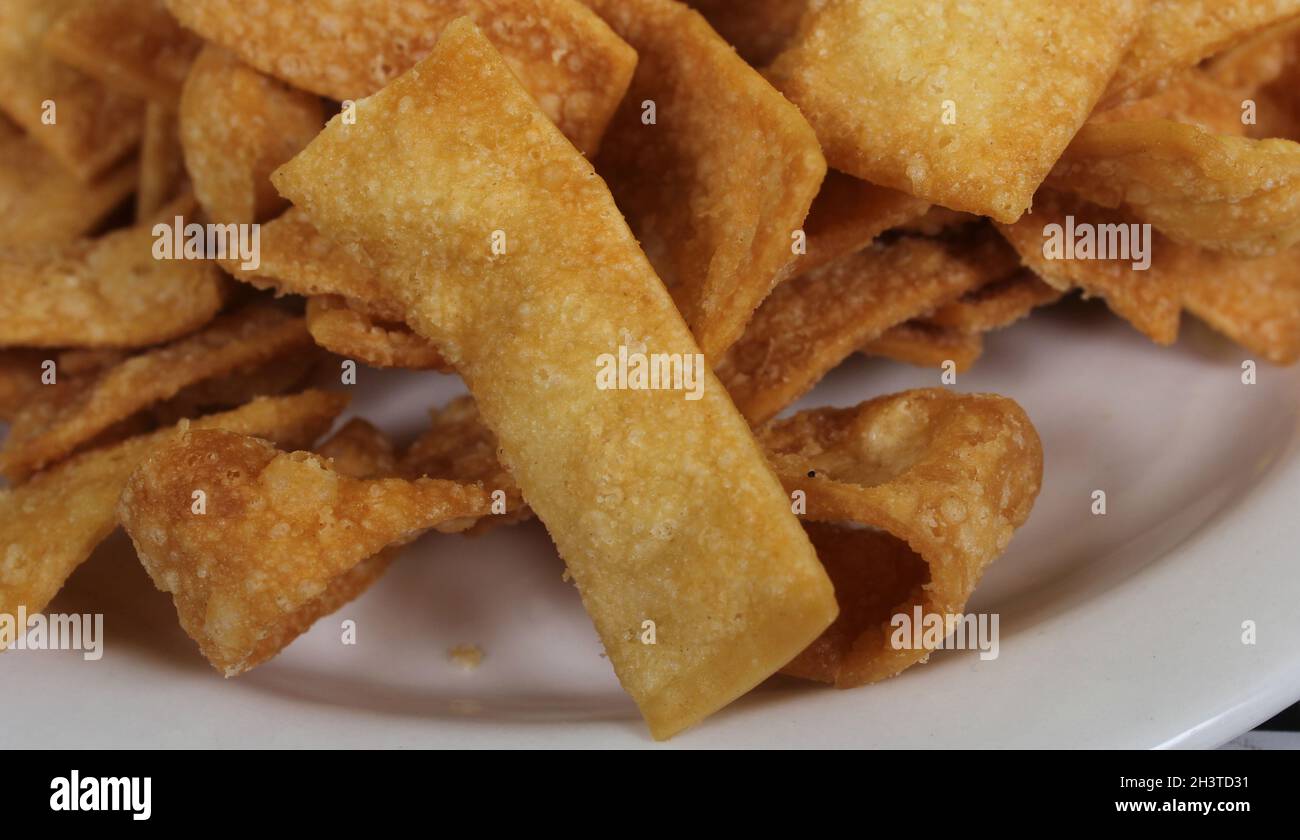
(924, 345)
(508, 251)
(957, 103)
(716, 184)
(353, 334)
(573, 65)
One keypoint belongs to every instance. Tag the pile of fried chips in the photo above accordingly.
(206, 205)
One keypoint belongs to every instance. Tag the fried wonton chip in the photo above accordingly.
(1179, 33)
(662, 506)
(162, 166)
(1193, 98)
(84, 125)
(132, 46)
(236, 127)
(996, 305)
(812, 323)
(939, 221)
(351, 333)
(924, 345)
(1254, 302)
(717, 183)
(961, 104)
(1257, 61)
(1148, 299)
(944, 478)
(573, 65)
(360, 450)
(49, 429)
(51, 524)
(278, 541)
(106, 292)
(282, 374)
(41, 203)
(847, 215)
(1231, 194)
(758, 29)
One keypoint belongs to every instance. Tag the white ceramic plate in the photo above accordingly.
(1122, 630)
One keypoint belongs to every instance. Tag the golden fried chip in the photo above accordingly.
(662, 506)
(106, 292)
(41, 203)
(360, 450)
(939, 221)
(52, 428)
(718, 178)
(574, 66)
(924, 345)
(1257, 61)
(1193, 98)
(51, 524)
(132, 46)
(236, 126)
(847, 215)
(1231, 194)
(958, 103)
(1254, 302)
(84, 125)
(162, 166)
(282, 374)
(758, 29)
(812, 323)
(948, 476)
(353, 334)
(277, 541)
(996, 305)
(1148, 299)
(1179, 33)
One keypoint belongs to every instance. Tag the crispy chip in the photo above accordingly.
(924, 345)
(282, 374)
(162, 167)
(132, 46)
(716, 184)
(279, 541)
(1257, 61)
(996, 305)
(948, 476)
(90, 127)
(957, 103)
(1231, 194)
(847, 215)
(236, 127)
(759, 29)
(106, 292)
(51, 524)
(41, 203)
(51, 428)
(360, 450)
(662, 507)
(1254, 302)
(812, 323)
(939, 221)
(1193, 97)
(574, 66)
(353, 334)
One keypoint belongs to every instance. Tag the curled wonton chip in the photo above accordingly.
(277, 539)
(758, 29)
(106, 292)
(1255, 302)
(236, 127)
(1193, 98)
(570, 62)
(1231, 194)
(996, 305)
(924, 345)
(717, 183)
(51, 524)
(351, 333)
(812, 323)
(50, 428)
(960, 104)
(913, 495)
(162, 166)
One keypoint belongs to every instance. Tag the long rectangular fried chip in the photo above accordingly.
(572, 64)
(925, 345)
(957, 103)
(353, 334)
(51, 524)
(716, 182)
(508, 251)
(997, 305)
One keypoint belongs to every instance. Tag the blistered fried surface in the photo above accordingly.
(48, 429)
(924, 345)
(353, 334)
(278, 531)
(950, 475)
(758, 29)
(812, 323)
(93, 127)
(1020, 76)
(162, 166)
(572, 64)
(1231, 194)
(236, 127)
(49, 525)
(996, 305)
(1254, 302)
(714, 187)
(106, 292)
(662, 507)
(132, 46)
